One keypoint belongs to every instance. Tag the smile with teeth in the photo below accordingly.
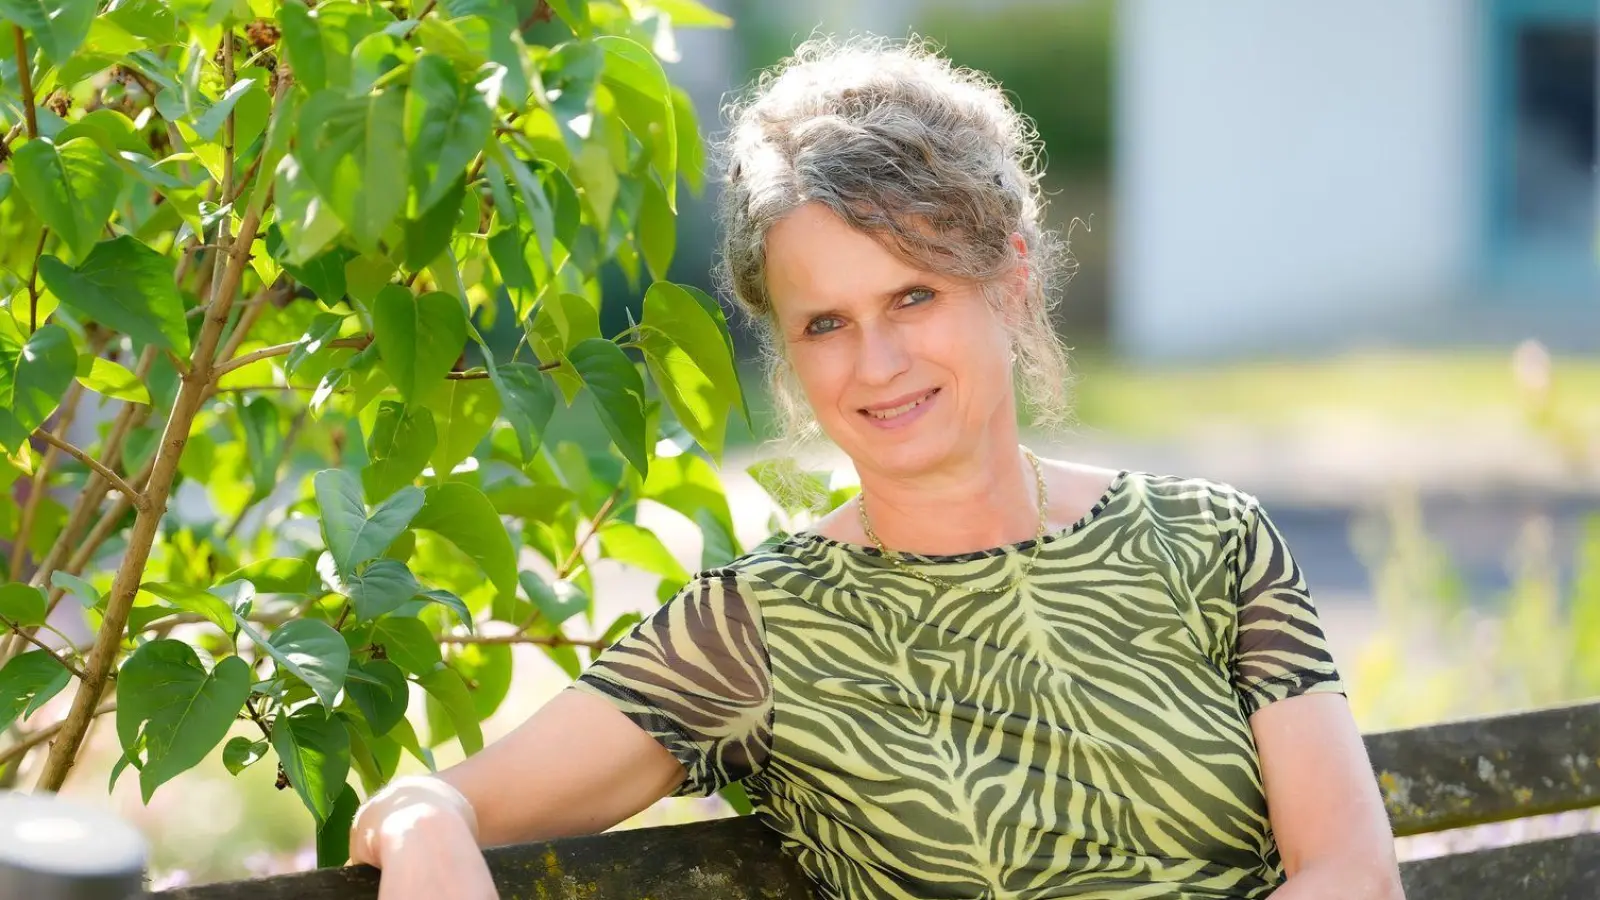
(902, 409)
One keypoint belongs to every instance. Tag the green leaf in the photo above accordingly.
(450, 123)
(381, 696)
(73, 188)
(350, 535)
(462, 515)
(353, 149)
(657, 230)
(466, 410)
(303, 40)
(208, 124)
(639, 547)
(22, 604)
(241, 753)
(333, 836)
(27, 682)
(527, 400)
(409, 643)
(402, 440)
(264, 444)
(451, 601)
(196, 600)
(691, 14)
(307, 222)
(323, 328)
(172, 712)
(688, 485)
(690, 354)
(276, 576)
(573, 12)
(788, 486)
(428, 235)
(198, 13)
(618, 394)
(314, 653)
(644, 100)
(445, 685)
(419, 338)
(124, 285)
(381, 588)
(57, 26)
(315, 752)
(556, 602)
(80, 590)
(487, 669)
(33, 376)
(108, 379)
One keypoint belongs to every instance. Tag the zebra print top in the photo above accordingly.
(1083, 735)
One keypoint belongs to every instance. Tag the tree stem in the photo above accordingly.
(65, 663)
(25, 75)
(196, 386)
(282, 350)
(99, 467)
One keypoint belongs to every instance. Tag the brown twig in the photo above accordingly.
(99, 467)
(283, 349)
(196, 385)
(16, 627)
(25, 76)
(17, 750)
(41, 472)
(594, 526)
(33, 282)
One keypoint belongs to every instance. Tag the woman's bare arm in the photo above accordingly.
(1327, 815)
(577, 766)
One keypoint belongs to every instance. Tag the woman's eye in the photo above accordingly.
(822, 325)
(918, 295)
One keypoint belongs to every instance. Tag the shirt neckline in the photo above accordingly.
(1111, 492)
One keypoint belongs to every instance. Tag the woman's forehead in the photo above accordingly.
(813, 256)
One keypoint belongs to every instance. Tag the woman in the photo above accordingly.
(990, 675)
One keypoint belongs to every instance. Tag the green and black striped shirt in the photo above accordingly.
(1084, 734)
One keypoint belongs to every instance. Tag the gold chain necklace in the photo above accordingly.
(896, 557)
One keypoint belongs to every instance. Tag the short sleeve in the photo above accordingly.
(695, 675)
(1280, 650)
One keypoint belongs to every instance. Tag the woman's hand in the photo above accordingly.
(423, 834)
(427, 852)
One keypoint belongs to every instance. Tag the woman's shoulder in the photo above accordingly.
(1170, 496)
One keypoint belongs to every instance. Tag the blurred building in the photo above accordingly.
(1302, 176)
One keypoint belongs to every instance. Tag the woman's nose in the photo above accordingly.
(882, 353)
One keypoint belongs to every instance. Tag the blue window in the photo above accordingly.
(1541, 158)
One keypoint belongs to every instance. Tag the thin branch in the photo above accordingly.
(41, 472)
(576, 555)
(420, 16)
(24, 75)
(95, 464)
(33, 282)
(283, 350)
(17, 750)
(16, 628)
(195, 387)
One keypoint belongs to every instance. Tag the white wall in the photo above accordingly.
(1290, 172)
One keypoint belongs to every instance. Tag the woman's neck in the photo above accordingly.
(986, 498)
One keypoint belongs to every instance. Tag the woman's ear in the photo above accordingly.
(1017, 281)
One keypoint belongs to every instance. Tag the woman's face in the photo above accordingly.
(905, 370)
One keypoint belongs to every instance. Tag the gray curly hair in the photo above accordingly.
(931, 159)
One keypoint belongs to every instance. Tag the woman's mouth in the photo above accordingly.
(901, 413)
